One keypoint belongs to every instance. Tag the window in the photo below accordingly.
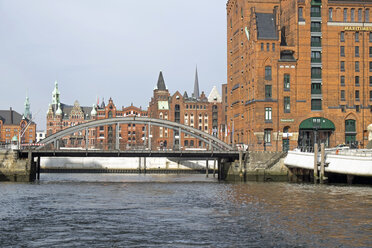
(316, 88)
(316, 104)
(342, 51)
(262, 46)
(316, 41)
(342, 36)
(356, 51)
(186, 143)
(352, 15)
(268, 114)
(268, 91)
(356, 36)
(268, 47)
(370, 80)
(330, 14)
(357, 66)
(342, 80)
(315, 11)
(287, 104)
(370, 95)
(345, 15)
(267, 136)
(273, 46)
(359, 15)
(356, 80)
(357, 108)
(357, 95)
(267, 72)
(192, 143)
(316, 57)
(370, 66)
(370, 36)
(342, 95)
(370, 51)
(316, 72)
(315, 27)
(287, 81)
(300, 14)
(366, 16)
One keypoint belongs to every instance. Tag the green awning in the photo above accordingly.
(319, 123)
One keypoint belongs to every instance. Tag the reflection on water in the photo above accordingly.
(108, 210)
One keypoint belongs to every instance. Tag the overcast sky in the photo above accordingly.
(107, 48)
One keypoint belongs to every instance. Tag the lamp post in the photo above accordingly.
(316, 125)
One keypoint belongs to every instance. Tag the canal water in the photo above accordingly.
(115, 210)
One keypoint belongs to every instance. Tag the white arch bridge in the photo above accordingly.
(213, 142)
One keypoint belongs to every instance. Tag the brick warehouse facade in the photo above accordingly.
(198, 111)
(61, 116)
(13, 125)
(299, 72)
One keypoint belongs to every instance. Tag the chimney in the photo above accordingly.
(11, 115)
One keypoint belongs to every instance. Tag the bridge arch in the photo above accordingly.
(196, 133)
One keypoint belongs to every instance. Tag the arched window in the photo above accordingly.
(109, 114)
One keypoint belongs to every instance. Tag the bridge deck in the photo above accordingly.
(231, 155)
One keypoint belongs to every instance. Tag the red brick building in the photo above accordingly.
(199, 111)
(14, 125)
(61, 116)
(299, 72)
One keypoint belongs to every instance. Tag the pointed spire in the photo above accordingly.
(55, 94)
(161, 84)
(196, 85)
(27, 113)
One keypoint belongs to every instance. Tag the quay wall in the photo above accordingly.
(259, 166)
(15, 169)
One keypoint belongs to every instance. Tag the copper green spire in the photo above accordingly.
(55, 94)
(27, 113)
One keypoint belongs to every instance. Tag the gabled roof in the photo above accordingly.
(214, 96)
(66, 110)
(161, 84)
(5, 116)
(185, 96)
(266, 28)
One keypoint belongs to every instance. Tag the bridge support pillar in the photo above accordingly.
(214, 167)
(144, 165)
(86, 138)
(207, 168)
(38, 168)
(117, 140)
(219, 168)
(139, 164)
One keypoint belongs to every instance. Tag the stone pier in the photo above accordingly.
(15, 169)
(261, 166)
